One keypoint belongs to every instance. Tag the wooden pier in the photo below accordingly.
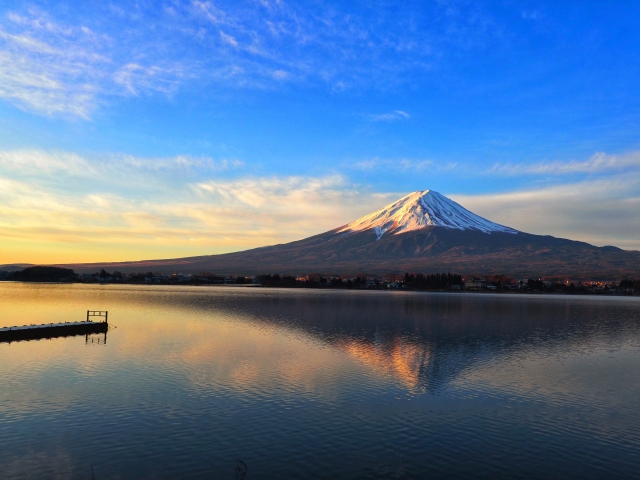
(54, 330)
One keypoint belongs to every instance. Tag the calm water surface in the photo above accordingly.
(320, 384)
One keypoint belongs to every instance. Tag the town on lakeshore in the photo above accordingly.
(407, 281)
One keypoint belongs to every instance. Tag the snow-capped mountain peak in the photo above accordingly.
(419, 210)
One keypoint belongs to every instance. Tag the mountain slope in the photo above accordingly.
(423, 231)
(419, 210)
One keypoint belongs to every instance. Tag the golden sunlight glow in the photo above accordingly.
(400, 360)
(66, 210)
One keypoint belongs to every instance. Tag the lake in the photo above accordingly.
(319, 384)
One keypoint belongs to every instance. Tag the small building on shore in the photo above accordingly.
(475, 284)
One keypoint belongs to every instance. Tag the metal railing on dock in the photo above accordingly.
(97, 313)
(52, 330)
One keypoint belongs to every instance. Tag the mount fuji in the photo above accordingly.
(420, 210)
(421, 232)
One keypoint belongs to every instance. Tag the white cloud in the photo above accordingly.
(598, 163)
(136, 78)
(54, 69)
(65, 200)
(280, 75)
(70, 68)
(601, 212)
(296, 206)
(114, 167)
(228, 39)
(212, 13)
(36, 76)
(117, 204)
(35, 162)
(389, 117)
(179, 162)
(403, 165)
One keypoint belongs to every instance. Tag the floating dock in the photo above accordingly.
(54, 330)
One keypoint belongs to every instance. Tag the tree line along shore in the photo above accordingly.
(407, 281)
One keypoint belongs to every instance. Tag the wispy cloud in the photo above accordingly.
(40, 164)
(39, 77)
(70, 65)
(35, 162)
(531, 15)
(120, 207)
(228, 39)
(295, 206)
(602, 212)
(125, 207)
(179, 162)
(402, 165)
(389, 117)
(598, 163)
(136, 78)
(52, 68)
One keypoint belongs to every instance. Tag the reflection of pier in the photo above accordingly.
(55, 330)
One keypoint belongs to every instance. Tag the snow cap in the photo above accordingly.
(423, 209)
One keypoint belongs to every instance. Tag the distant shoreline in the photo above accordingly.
(521, 292)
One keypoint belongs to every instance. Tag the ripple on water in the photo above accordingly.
(322, 385)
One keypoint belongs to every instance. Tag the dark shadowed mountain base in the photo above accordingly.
(430, 249)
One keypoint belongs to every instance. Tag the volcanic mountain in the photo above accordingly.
(422, 232)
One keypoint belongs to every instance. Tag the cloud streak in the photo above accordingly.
(65, 207)
(52, 68)
(601, 212)
(402, 165)
(598, 163)
(389, 117)
(125, 207)
(34, 162)
(115, 167)
(71, 64)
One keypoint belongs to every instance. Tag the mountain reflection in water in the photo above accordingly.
(321, 384)
(426, 341)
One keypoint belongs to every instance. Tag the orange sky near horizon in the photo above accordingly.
(45, 226)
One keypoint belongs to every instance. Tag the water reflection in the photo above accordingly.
(96, 339)
(324, 384)
(426, 341)
(423, 341)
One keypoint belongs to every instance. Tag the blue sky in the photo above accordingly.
(151, 129)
